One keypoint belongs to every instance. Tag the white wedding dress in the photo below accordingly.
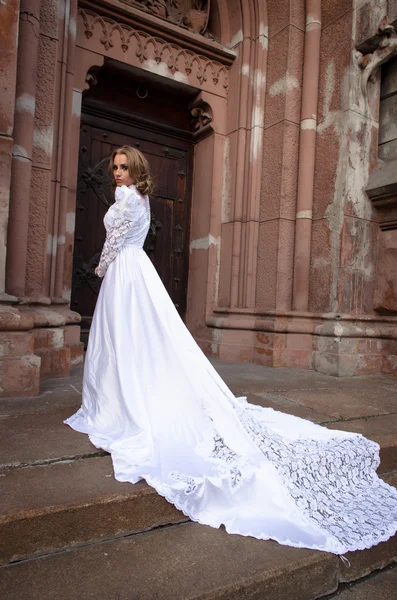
(153, 400)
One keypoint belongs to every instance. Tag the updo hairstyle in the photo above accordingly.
(138, 168)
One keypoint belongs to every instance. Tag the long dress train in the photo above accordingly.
(156, 404)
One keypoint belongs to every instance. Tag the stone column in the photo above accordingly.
(21, 172)
(307, 149)
(19, 367)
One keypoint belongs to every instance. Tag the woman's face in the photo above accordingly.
(120, 170)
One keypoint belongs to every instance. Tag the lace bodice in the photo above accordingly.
(127, 223)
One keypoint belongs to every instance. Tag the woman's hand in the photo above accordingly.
(96, 270)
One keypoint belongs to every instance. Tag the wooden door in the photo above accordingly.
(168, 238)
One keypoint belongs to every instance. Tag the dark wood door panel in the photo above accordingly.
(167, 241)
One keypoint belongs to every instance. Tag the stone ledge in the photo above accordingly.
(176, 563)
(48, 508)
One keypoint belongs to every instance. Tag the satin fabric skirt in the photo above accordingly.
(155, 403)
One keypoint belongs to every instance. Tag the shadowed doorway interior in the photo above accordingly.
(128, 106)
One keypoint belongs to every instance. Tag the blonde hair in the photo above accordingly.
(138, 168)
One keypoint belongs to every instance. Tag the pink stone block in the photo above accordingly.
(267, 265)
(335, 59)
(9, 17)
(293, 359)
(359, 246)
(285, 264)
(226, 265)
(299, 341)
(76, 354)
(210, 349)
(43, 140)
(332, 10)
(277, 82)
(49, 18)
(236, 353)
(294, 76)
(235, 81)
(238, 337)
(263, 356)
(326, 170)
(19, 376)
(289, 179)
(321, 274)
(55, 362)
(48, 338)
(389, 365)
(16, 343)
(272, 172)
(278, 12)
(72, 335)
(37, 232)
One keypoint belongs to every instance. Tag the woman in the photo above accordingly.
(152, 399)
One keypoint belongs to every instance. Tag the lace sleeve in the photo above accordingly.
(114, 240)
(127, 210)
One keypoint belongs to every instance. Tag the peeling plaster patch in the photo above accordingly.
(304, 214)
(338, 330)
(204, 243)
(217, 336)
(309, 124)
(70, 222)
(42, 139)
(310, 20)
(264, 42)
(76, 104)
(285, 84)
(20, 153)
(245, 69)
(67, 293)
(263, 30)
(72, 28)
(329, 86)
(61, 240)
(260, 79)
(58, 338)
(333, 119)
(256, 143)
(257, 116)
(236, 39)
(25, 103)
(162, 69)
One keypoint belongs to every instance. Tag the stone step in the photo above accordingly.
(187, 562)
(35, 434)
(379, 587)
(48, 508)
(41, 438)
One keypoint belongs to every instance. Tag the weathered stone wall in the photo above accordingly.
(294, 214)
